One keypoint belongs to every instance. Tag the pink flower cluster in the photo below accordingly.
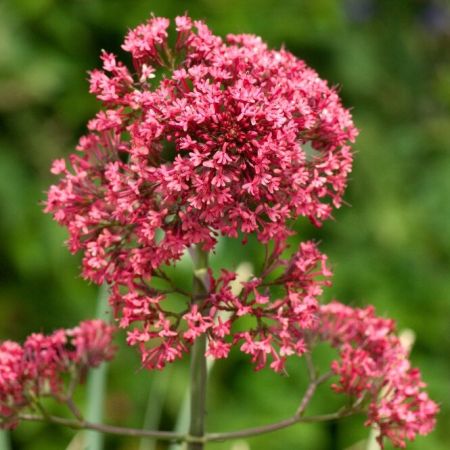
(203, 138)
(38, 368)
(234, 138)
(207, 138)
(374, 369)
(276, 329)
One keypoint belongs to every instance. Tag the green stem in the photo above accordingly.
(199, 372)
(155, 402)
(96, 383)
(181, 437)
(4, 440)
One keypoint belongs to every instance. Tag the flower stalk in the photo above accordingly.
(199, 372)
(96, 385)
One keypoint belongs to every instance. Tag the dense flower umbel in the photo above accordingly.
(200, 138)
(278, 319)
(234, 138)
(374, 368)
(38, 368)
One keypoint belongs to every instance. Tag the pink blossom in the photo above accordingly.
(217, 147)
(11, 393)
(374, 368)
(92, 342)
(214, 137)
(218, 349)
(220, 146)
(197, 324)
(284, 317)
(40, 367)
(58, 166)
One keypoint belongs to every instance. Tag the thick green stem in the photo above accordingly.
(198, 359)
(96, 383)
(5, 443)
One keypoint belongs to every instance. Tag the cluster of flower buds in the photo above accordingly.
(373, 368)
(41, 366)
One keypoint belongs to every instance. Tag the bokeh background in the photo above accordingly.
(391, 248)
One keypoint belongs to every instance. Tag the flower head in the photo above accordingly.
(205, 137)
(277, 320)
(202, 138)
(40, 366)
(374, 368)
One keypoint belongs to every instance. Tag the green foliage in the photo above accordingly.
(392, 248)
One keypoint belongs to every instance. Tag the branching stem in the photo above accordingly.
(83, 424)
(182, 437)
(196, 438)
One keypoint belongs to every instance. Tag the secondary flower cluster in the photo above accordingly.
(39, 367)
(374, 368)
(275, 328)
(233, 138)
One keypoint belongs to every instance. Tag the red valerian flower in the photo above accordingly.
(280, 317)
(38, 367)
(210, 137)
(374, 368)
(201, 138)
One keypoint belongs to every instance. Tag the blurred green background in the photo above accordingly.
(391, 248)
